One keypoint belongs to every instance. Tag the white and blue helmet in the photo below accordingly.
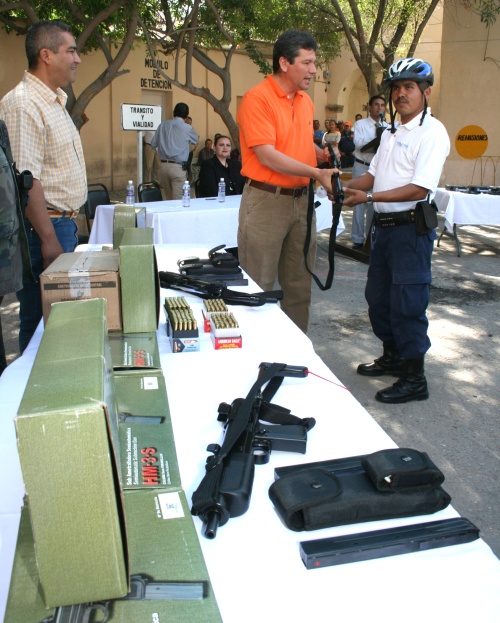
(410, 69)
(414, 69)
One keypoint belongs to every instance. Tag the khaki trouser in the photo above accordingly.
(271, 234)
(172, 177)
(151, 164)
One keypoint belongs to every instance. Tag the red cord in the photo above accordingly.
(328, 380)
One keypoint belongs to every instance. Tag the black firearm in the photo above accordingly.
(374, 144)
(226, 488)
(141, 588)
(216, 290)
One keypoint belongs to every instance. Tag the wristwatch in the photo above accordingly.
(369, 197)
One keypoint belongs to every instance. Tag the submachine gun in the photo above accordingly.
(226, 488)
(216, 290)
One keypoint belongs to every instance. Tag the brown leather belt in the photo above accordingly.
(56, 214)
(279, 190)
(391, 219)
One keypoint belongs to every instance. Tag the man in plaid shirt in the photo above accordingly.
(45, 141)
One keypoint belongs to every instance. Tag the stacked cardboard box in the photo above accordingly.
(102, 457)
(139, 281)
(147, 449)
(67, 460)
(169, 579)
(134, 351)
(86, 275)
(125, 216)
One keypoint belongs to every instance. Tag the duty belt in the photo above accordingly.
(299, 191)
(391, 219)
(367, 164)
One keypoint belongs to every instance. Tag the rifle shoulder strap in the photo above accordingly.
(336, 209)
(207, 491)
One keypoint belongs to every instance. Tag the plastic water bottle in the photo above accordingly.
(186, 194)
(130, 192)
(222, 190)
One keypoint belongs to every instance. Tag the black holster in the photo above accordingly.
(426, 216)
(400, 482)
(215, 264)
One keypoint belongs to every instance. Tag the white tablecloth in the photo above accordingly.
(467, 209)
(254, 562)
(206, 221)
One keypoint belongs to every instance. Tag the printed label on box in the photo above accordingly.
(150, 382)
(170, 505)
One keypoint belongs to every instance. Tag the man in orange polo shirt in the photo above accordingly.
(279, 157)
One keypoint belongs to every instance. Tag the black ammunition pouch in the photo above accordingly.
(392, 483)
(426, 216)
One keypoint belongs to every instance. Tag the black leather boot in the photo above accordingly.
(411, 386)
(390, 363)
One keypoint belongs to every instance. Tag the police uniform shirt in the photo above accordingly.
(414, 154)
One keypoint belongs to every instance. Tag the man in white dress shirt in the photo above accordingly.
(366, 141)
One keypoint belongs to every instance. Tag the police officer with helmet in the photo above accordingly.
(403, 174)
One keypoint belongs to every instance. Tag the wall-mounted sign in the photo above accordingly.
(158, 81)
(140, 117)
(471, 142)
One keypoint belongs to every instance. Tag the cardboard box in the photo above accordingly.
(134, 351)
(221, 343)
(81, 276)
(183, 340)
(164, 547)
(179, 316)
(225, 331)
(139, 281)
(125, 215)
(147, 449)
(66, 427)
(164, 551)
(211, 306)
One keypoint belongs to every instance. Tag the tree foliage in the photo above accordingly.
(488, 10)
(375, 31)
(96, 24)
(190, 29)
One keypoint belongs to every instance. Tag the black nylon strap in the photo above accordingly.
(274, 414)
(336, 210)
(206, 493)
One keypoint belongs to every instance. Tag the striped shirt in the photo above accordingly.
(45, 141)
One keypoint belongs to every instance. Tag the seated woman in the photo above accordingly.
(221, 166)
(333, 138)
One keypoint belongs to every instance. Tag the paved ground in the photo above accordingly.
(458, 425)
